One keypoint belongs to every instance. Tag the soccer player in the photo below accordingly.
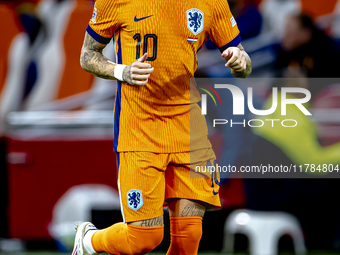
(159, 131)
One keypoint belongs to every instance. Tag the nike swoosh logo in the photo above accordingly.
(215, 193)
(136, 19)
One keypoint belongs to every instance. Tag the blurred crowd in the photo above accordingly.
(300, 39)
(40, 58)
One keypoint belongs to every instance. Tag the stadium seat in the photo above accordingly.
(327, 113)
(75, 206)
(318, 8)
(264, 229)
(51, 57)
(335, 29)
(60, 75)
(275, 13)
(74, 79)
(14, 45)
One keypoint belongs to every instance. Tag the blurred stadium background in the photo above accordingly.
(56, 161)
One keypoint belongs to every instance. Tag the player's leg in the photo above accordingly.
(185, 226)
(189, 194)
(141, 184)
(132, 238)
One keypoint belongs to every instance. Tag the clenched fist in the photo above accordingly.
(235, 58)
(138, 72)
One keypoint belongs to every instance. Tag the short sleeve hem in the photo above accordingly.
(97, 37)
(235, 42)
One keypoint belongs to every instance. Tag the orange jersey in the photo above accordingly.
(156, 117)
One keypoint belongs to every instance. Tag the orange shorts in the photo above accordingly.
(146, 180)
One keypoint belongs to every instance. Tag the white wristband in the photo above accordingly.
(118, 73)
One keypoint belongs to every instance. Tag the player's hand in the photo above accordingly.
(138, 72)
(235, 59)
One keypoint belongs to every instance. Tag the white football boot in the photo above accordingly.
(82, 229)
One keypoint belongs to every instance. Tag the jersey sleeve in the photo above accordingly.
(104, 21)
(224, 31)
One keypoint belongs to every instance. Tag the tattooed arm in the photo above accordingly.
(93, 61)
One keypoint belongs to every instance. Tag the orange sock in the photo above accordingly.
(122, 239)
(186, 233)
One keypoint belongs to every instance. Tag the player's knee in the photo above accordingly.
(148, 245)
(150, 238)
